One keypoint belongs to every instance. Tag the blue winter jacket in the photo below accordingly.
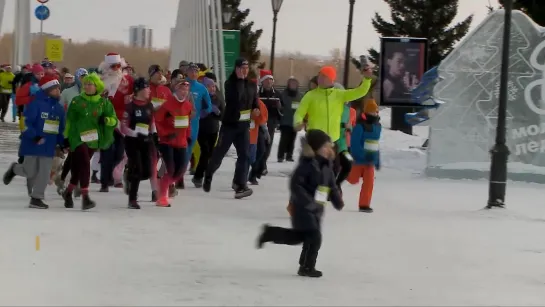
(200, 94)
(42, 112)
(364, 145)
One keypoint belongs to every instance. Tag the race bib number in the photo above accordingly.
(371, 145)
(181, 121)
(157, 102)
(321, 194)
(89, 136)
(51, 126)
(244, 115)
(142, 129)
(295, 105)
(252, 124)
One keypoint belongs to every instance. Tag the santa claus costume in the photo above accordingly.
(119, 90)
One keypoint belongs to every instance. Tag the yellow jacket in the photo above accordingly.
(325, 107)
(6, 79)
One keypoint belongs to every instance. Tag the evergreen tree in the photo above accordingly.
(533, 8)
(431, 19)
(248, 38)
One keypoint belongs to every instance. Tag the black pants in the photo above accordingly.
(271, 126)
(4, 104)
(139, 163)
(207, 141)
(257, 166)
(287, 142)
(239, 136)
(174, 159)
(110, 158)
(311, 239)
(67, 166)
(342, 168)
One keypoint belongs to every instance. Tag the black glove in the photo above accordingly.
(37, 139)
(102, 120)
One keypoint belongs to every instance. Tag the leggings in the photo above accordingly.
(174, 161)
(140, 163)
(81, 166)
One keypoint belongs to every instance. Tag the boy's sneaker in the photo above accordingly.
(207, 184)
(9, 174)
(36, 203)
(289, 159)
(262, 239)
(153, 196)
(87, 203)
(134, 205)
(309, 272)
(366, 210)
(197, 182)
(243, 192)
(68, 200)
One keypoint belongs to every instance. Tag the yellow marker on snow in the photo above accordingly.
(37, 243)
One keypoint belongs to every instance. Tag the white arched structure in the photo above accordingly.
(21, 36)
(196, 36)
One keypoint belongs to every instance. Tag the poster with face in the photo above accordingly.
(403, 63)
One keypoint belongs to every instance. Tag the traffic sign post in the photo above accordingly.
(42, 13)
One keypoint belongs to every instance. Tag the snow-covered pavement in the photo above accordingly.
(428, 243)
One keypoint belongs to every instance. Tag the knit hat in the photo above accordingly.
(330, 72)
(37, 68)
(265, 75)
(370, 106)
(140, 84)
(95, 79)
(241, 62)
(208, 82)
(112, 58)
(49, 82)
(316, 139)
(81, 72)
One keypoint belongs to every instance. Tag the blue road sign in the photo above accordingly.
(42, 12)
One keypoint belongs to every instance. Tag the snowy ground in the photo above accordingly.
(428, 243)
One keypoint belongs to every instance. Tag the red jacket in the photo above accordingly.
(122, 95)
(22, 95)
(171, 114)
(159, 94)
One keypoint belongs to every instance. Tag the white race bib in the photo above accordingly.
(371, 145)
(322, 194)
(245, 115)
(348, 156)
(295, 105)
(141, 129)
(252, 124)
(181, 121)
(51, 126)
(89, 136)
(157, 102)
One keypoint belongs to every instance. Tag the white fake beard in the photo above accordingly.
(112, 79)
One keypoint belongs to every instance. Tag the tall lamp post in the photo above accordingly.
(348, 44)
(276, 5)
(227, 14)
(500, 151)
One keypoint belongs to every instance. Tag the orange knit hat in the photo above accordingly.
(370, 106)
(330, 72)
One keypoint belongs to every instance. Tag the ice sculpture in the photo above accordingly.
(423, 95)
(462, 131)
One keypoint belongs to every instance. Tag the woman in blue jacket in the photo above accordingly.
(43, 133)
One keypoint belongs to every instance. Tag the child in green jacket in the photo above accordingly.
(90, 124)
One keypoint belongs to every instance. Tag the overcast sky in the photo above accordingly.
(308, 26)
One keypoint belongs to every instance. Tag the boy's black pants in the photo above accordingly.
(311, 239)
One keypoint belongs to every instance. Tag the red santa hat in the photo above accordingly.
(264, 75)
(112, 58)
(48, 82)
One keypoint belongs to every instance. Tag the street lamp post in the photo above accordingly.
(276, 5)
(348, 44)
(500, 151)
(227, 14)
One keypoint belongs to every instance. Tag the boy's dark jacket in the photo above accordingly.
(311, 172)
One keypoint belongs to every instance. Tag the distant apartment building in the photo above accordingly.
(141, 37)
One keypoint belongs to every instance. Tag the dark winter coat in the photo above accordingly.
(240, 96)
(313, 173)
(210, 124)
(290, 99)
(273, 100)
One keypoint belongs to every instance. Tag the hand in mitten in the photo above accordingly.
(377, 166)
(39, 140)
